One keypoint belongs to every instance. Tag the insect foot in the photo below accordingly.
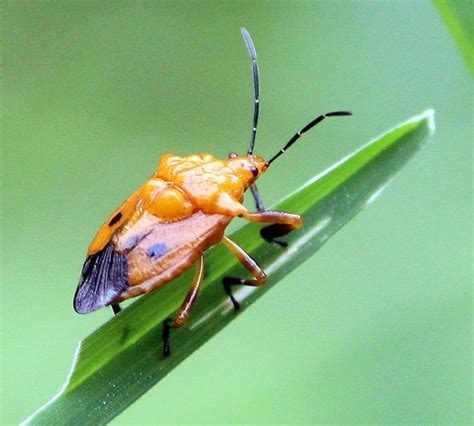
(228, 281)
(264, 233)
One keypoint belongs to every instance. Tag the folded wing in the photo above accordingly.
(104, 277)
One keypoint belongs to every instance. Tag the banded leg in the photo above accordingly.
(246, 260)
(185, 309)
(281, 224)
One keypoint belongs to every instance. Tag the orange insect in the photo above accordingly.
(165, 226)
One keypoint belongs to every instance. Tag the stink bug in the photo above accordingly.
(165, 226)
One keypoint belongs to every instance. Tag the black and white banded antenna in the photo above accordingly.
(309, 126)
(256, 86)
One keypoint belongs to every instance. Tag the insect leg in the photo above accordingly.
(185, 309)
(246, 260)
(116, 308)
(193, 293)
(257, 197)
(281, 224)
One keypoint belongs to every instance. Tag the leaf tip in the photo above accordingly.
(426, 115)
(427, 119)
(429, 115)
(431, 121)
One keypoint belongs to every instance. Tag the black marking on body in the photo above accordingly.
(104, 277)
(115, 219)
(157, 250)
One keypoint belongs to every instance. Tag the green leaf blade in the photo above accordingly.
(459, 17)
(122, 359)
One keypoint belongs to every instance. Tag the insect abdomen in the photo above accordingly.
(164, 250)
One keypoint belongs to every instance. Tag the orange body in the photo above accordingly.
(183, 209)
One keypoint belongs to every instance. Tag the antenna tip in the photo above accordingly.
(249, 43)
(337, 113)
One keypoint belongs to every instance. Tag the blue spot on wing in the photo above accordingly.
(157, 250)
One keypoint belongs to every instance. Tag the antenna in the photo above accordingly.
(309, 126)
(256, 86)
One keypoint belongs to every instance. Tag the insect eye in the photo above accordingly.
(233, 155)
(254, 171)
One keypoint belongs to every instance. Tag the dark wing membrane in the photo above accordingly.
(104, 277)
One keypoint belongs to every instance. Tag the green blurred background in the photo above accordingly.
(377, 327)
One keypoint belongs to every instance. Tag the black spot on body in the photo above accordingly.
(115, 219)
(157, 250)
